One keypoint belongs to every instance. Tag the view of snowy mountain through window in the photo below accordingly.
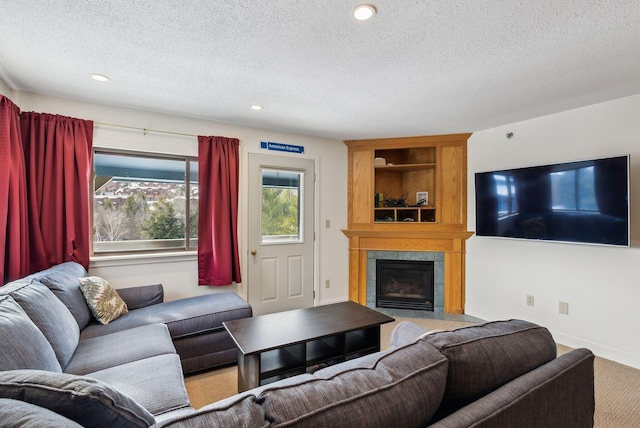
(143, 203)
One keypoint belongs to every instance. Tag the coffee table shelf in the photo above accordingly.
(279, 361)
(322, 335)
(365, 340)
(322, 350)
(306, 357)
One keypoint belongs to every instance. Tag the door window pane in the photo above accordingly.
(281, 216)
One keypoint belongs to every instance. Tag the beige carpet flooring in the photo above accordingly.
(617, 387)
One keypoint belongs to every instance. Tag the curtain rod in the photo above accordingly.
(144, 130)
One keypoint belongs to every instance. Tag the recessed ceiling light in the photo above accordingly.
(256, 107)
(99, 77)
(363, 12)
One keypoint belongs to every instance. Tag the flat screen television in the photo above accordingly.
(583, 202)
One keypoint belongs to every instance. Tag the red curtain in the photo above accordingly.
(14, 230)
(57, 151)
(218, 175)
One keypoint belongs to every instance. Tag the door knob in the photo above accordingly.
(254, 252)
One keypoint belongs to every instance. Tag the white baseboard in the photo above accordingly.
(601, 350)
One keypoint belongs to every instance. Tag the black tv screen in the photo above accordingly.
(581, 202)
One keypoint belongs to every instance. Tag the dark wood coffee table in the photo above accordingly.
(275, 346)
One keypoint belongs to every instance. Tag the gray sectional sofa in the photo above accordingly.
(499, 374)
(496, 374)
(51, 341)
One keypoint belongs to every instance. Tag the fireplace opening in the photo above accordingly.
(404, 284)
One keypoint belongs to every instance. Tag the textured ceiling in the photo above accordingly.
(419, 67)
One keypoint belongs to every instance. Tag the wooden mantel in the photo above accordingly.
(437, 164)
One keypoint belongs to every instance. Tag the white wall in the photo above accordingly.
(179, 273)
(601, 284)
(5, 89)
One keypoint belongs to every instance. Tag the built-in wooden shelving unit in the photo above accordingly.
(382, 173)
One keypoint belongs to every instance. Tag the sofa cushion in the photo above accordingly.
(86, 401)
(184, 317)
(62, 279)
(142, 295)
(156, 383)
(103, 300)
(123, 347)
(370, 391)
(22, 344)
(18, 414)
(486, 356)
(51, 316)
(236, 411)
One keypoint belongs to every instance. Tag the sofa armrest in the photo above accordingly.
(142, 296)
(404, 333)
(559, 393)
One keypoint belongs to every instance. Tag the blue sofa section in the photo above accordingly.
(50, 338)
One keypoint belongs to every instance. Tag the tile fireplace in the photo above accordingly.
(405, 280)
(404, 284)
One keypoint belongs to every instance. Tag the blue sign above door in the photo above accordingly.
(269, 145)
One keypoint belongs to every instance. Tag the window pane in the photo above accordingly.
(506, 194)
(563, 190)
(281, 196)
(140, 203)
(574, 190)
(193, 205)
(513, 197)
(502, 191)
(586, 190)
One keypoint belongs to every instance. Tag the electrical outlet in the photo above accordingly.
(327, 283)
(563, 308)
(530, 300)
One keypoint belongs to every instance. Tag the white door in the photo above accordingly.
(281, 229)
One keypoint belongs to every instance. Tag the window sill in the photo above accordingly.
(142, 259)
